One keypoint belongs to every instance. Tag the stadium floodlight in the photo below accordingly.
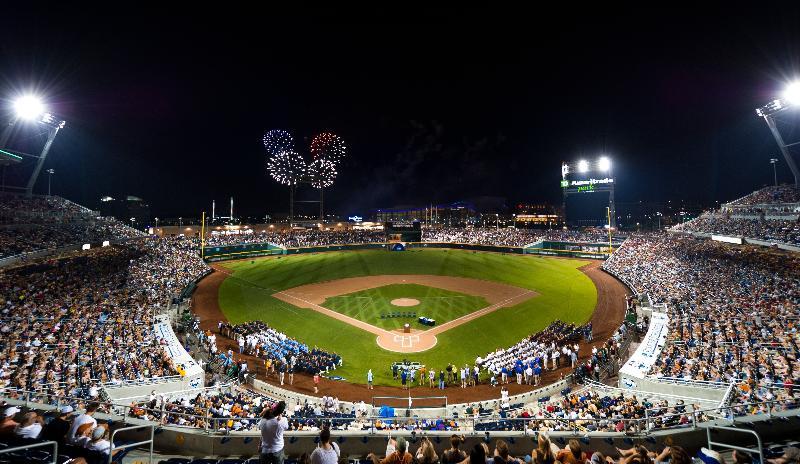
(604, 164)
(788, 101)
(583, 166)
(792, 93)
(28, 107)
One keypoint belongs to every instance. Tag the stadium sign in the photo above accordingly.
(355, 218)
(587, 185)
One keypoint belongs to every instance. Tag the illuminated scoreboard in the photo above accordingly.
(584, 177)
(589, 185)
(403, 231)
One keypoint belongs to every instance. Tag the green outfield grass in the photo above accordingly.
(563, 293)
(435, 303)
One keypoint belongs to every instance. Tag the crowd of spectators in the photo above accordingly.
(770, 230)
(73, 323)
(479, 236)
(769, 196)
(77, 435)
(510, 236)
(39, 223)
(592, 410)
(733, 310)
(13, 207)
(297, 239)
(771, 214)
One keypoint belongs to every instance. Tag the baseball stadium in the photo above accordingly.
(569, 324)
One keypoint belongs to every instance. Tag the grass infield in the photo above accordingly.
(374, 306)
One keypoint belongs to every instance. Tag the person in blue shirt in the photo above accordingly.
(403, 378)
(369, 379)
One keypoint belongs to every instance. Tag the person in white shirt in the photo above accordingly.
(83, 419)
(272, 425)
(327, 452)
(99, 442)
(30, 427)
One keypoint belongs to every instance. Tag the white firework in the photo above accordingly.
(321, 173)
(287, 167)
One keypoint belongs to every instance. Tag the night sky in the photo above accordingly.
(435, 105)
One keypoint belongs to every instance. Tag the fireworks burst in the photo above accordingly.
(277, 141)
(321, 173)
(287, 167)
(328, 146)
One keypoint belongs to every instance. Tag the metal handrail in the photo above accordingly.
(729, 411)
(53, 456)
(760, 449)
(131, 445)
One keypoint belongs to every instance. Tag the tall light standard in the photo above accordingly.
(50, 173)
(789, 100)
(774, 162)
(30, 108)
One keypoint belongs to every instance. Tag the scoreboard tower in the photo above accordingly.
(403, 231)
(587, 177)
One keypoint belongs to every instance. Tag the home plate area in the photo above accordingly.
(406, 343)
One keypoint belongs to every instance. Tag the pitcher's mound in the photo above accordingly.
(404, 302)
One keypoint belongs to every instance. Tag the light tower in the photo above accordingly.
(31, 109)
(770, 111)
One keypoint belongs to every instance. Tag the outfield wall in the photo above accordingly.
(254, 250)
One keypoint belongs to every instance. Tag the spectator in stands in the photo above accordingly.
(399, 456)
(791, 455)
(740, 457)
(426, 454)
(636, 455)
(99, 442)
(327, 452)
(82, 419)
(453, 454)
(56, 430)
(477, 455)
(501, 454)
(572, 454)
(30, 427)
(543, 453)
(9, 425)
